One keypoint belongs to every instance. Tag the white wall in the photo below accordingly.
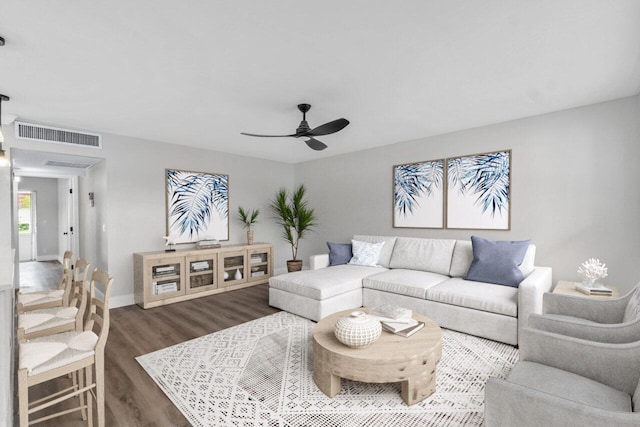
(6, 207)
(574, 187)
(93, 236)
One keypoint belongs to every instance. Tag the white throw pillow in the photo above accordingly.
(364, 253)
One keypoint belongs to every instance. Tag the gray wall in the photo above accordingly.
(46, 190)
(574, 187)
(135, 199)
(130, 199)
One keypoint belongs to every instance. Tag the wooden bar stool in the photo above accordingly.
(29, 301)
(48, 321)
(82, 352)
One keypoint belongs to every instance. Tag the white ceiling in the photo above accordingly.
(50, 164)
(200, 72)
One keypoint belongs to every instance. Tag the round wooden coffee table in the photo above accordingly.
(391, 358)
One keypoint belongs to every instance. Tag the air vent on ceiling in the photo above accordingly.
(60, 136)
(60, 164)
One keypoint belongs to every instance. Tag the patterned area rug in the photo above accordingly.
(260, 374)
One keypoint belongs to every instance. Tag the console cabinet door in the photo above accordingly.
(259, 264)
(167, 278)
(201, 272)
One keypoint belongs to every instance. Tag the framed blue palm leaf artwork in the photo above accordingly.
(197, 206)
(418, 194)
(479, 191)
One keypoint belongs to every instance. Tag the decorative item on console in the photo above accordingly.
(208, 243)
(248, 218)
(592, 271)
(169, 241)
(358, 330)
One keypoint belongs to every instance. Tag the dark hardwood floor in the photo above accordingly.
(132, 398)
(39, 275)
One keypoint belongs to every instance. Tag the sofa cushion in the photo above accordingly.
(323, 283)
(364, 253)
(339, 253)
(387, 249)
(497, 262)
(411, 283)
(477, 295)
(432, 255)
(463, 257)
(570, 386)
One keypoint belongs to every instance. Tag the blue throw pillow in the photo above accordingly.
(497, 262)
(339, 253)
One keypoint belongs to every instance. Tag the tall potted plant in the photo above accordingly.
(248, 218)
(296, 218)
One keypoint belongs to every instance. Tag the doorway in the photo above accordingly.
(53, 181)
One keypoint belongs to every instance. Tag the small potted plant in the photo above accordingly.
(248, 218)
(296, 218)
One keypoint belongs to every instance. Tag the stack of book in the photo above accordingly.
(207, 244)
(596, 290)
(397, 320)
(199, 266)
(165, 287)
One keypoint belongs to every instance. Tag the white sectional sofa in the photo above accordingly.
(425, 275)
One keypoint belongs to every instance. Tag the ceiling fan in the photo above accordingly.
(304, 131)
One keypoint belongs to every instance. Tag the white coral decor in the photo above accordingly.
(592, 270)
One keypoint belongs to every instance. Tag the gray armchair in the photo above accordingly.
(608, 321)
(569, 382)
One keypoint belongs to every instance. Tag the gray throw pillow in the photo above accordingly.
(497, 262)
(339, 253)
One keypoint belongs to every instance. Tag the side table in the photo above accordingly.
(567, 287)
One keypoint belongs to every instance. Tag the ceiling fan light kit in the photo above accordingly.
(305, 131)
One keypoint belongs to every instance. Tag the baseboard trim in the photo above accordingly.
(121, 301)
(47, 258)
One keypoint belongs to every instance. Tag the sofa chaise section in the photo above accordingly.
(315, 294)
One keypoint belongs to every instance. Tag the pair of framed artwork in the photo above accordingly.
(468, 192)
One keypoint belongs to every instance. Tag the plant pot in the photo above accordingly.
(294, 265)
(249, 237)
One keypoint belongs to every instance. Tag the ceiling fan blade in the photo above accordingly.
(314, 144)
(327, 128)
(266, 136)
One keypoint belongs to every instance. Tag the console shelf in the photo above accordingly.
(166, 277)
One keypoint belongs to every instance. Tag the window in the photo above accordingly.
(24, 213)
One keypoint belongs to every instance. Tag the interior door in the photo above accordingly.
(69, 225)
